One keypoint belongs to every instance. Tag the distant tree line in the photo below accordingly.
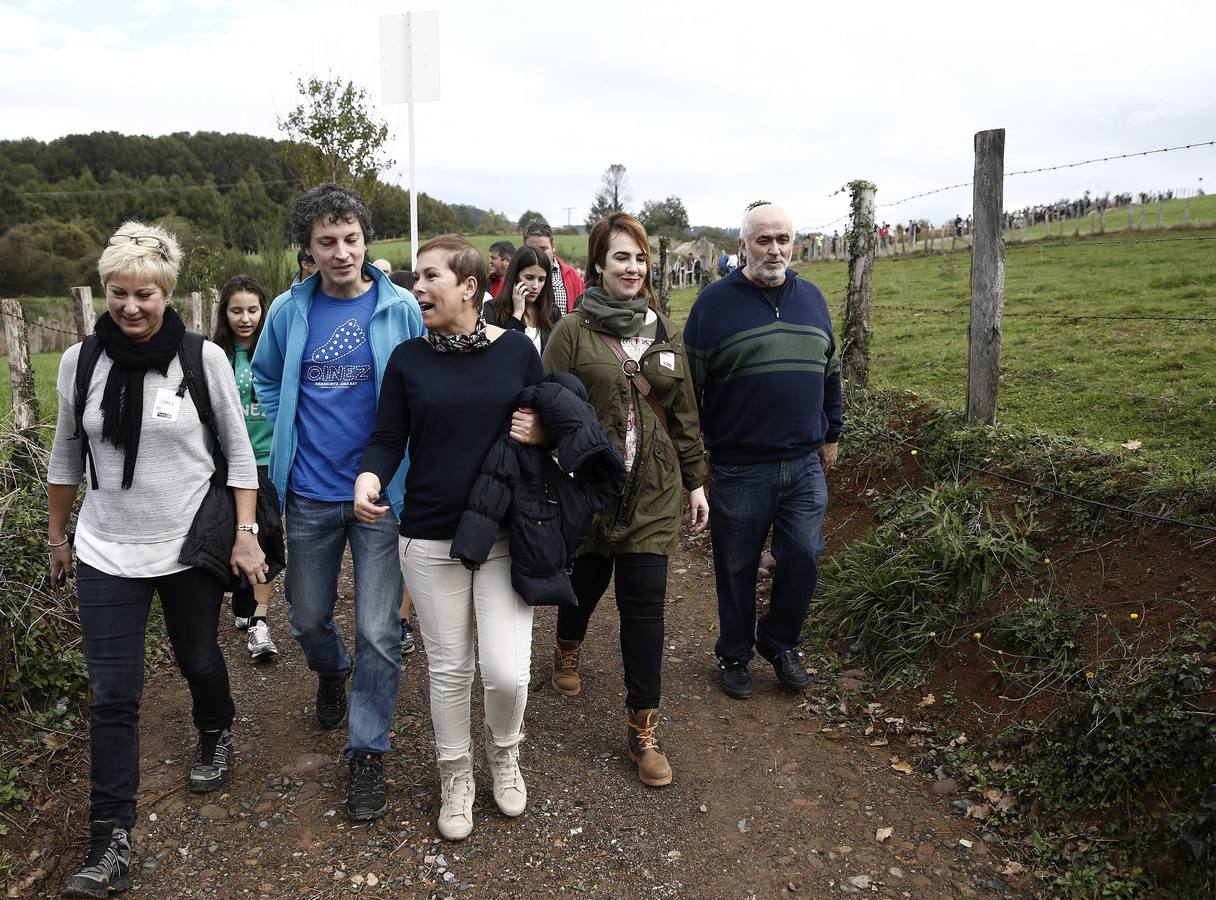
(225, 194)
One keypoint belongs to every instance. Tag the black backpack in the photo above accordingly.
(209, 543)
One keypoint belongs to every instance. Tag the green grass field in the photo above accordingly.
(1062, 377)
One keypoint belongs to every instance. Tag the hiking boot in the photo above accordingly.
(734, 679)
(106, 868)
(331, 702)
(212, 759)
(510, 793)
(456, 793)
(644, 749)
(787, 664)
(407, 638)
(565, 668)
(366, 794)
(260, 645)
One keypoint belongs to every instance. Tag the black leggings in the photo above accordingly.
(641, 587)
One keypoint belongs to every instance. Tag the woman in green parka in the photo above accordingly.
(615, 332)
(238, 324)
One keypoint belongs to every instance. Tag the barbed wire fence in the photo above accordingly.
(987, 242)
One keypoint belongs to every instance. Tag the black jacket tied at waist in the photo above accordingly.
(546, 510)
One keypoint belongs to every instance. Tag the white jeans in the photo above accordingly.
(448, 599)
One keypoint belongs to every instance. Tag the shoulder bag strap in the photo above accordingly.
(634, 373)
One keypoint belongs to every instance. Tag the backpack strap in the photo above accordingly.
(86, 362)
(194, 380)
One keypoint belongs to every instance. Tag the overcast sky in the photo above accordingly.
(717, 103)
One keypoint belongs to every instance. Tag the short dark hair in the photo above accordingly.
(502, 248)
(462, 258)
(330, 202)
(538, 228)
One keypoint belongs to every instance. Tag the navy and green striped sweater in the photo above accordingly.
(767, 376)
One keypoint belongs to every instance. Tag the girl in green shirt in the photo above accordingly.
(238, 324)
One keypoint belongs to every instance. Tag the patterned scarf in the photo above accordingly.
(461, 343)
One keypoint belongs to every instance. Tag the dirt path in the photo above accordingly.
(768, 800)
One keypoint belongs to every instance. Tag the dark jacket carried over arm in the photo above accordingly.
(548, 511)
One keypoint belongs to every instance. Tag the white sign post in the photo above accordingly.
(409, 74)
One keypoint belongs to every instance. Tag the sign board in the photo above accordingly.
(409, 57)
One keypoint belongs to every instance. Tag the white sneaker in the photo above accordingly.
(510, 793)
(456, 790)
(260, 643)
(241, 622)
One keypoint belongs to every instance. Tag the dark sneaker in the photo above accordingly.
(331, 702)
(212, 760)
(788, 666)
(734, 679)
(366, 795)
(407, 638)
(107, 867)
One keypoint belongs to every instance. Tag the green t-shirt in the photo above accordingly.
(261, 432)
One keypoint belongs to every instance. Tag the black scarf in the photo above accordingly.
(461, 343)
(122, 402)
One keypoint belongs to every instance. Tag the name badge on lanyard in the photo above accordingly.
(167, 405)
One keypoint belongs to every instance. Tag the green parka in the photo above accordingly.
(668, 462)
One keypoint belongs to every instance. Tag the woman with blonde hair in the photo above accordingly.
(630, 358)
(134, 430)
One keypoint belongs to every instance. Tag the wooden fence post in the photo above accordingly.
(82, 311)
(25, 400)
(1130, 224)
(987, 278)
(196, 312)
(1186, 212)
(213, 308)
(1160, 215)
(855, 353)
(664, 279)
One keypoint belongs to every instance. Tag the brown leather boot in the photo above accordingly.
(565, 667)
(653, 768)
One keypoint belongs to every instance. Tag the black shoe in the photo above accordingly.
(734, 679)
(106, 868)
(366, 795)
(787, 664)
(407, 638)
(212, 760)
(331, 702)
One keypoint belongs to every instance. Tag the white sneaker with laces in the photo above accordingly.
(260, 643)
(457, 791)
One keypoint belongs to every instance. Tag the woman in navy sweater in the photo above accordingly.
(448, 396)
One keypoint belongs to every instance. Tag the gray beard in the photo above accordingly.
(766, 279)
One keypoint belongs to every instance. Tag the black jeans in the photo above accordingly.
(113, 619)
(641, 588)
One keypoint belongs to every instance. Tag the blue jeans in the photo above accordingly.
(745, 501)
(317, 533)
(113, 619)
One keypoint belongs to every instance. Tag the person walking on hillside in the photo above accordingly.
(630, 359)
(567, 283)
(449, 396)
(129, 423)
(763, 332)
(238, 325)
(317, 371)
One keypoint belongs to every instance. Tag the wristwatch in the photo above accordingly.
(252, 528)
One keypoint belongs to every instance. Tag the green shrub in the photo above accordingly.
(896, 592)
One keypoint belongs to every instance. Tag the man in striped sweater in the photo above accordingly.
(764, 364)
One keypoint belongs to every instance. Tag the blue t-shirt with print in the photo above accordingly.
(336, 410)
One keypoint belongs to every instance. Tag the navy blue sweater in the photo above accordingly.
(450, 408)
(767, 376)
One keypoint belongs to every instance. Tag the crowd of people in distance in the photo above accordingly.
(482, 438)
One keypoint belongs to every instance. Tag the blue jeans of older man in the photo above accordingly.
(317, 534)
(789, 497)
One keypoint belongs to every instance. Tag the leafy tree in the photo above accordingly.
(337, 135)
(612, 196)
(494, 223)
(47, 257)
(530, 215)
(667, 217)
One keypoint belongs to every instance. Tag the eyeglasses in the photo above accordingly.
(141, 240)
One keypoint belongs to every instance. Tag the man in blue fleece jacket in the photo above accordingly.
(766, 372)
